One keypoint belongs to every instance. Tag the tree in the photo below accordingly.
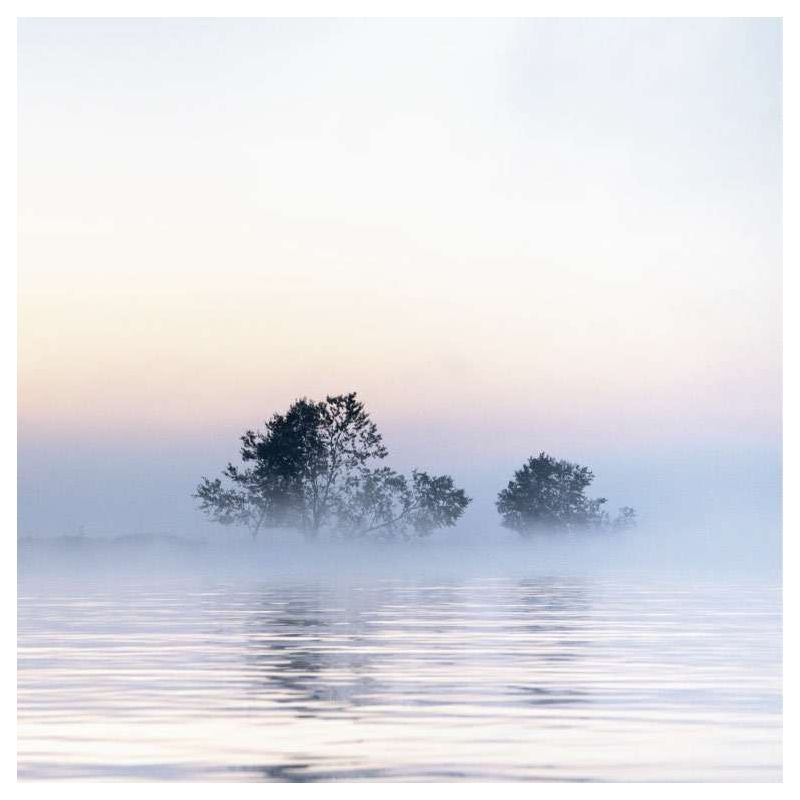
(386, 504)
(547, 494)
(314, 468)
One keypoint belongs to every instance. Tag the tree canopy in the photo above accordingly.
(316, 467)
(550, 494)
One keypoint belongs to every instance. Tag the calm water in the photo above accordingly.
(540, 678)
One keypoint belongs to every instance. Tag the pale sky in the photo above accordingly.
(507, 235)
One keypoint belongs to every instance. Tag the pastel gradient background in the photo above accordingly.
(506, 235)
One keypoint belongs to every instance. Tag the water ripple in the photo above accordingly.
(545, 679)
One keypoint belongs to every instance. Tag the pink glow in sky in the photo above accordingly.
(499, 232)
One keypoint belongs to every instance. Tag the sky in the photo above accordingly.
(507, 235)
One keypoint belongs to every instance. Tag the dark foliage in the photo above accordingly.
(313, 468)
(548, 494)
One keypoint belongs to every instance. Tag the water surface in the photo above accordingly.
(478, 678)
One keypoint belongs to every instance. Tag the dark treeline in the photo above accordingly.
(318, 467)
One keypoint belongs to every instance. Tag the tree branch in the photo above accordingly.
(410, 508)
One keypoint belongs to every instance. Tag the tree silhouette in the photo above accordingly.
(314, 468)
(548, 494)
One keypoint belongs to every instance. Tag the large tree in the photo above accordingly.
(316, 468)
(549, 494)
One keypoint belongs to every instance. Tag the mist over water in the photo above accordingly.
(606, 657)
(155, 646)
(637, 554)
(702, 508)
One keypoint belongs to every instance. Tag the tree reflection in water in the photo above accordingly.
(440, 649)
